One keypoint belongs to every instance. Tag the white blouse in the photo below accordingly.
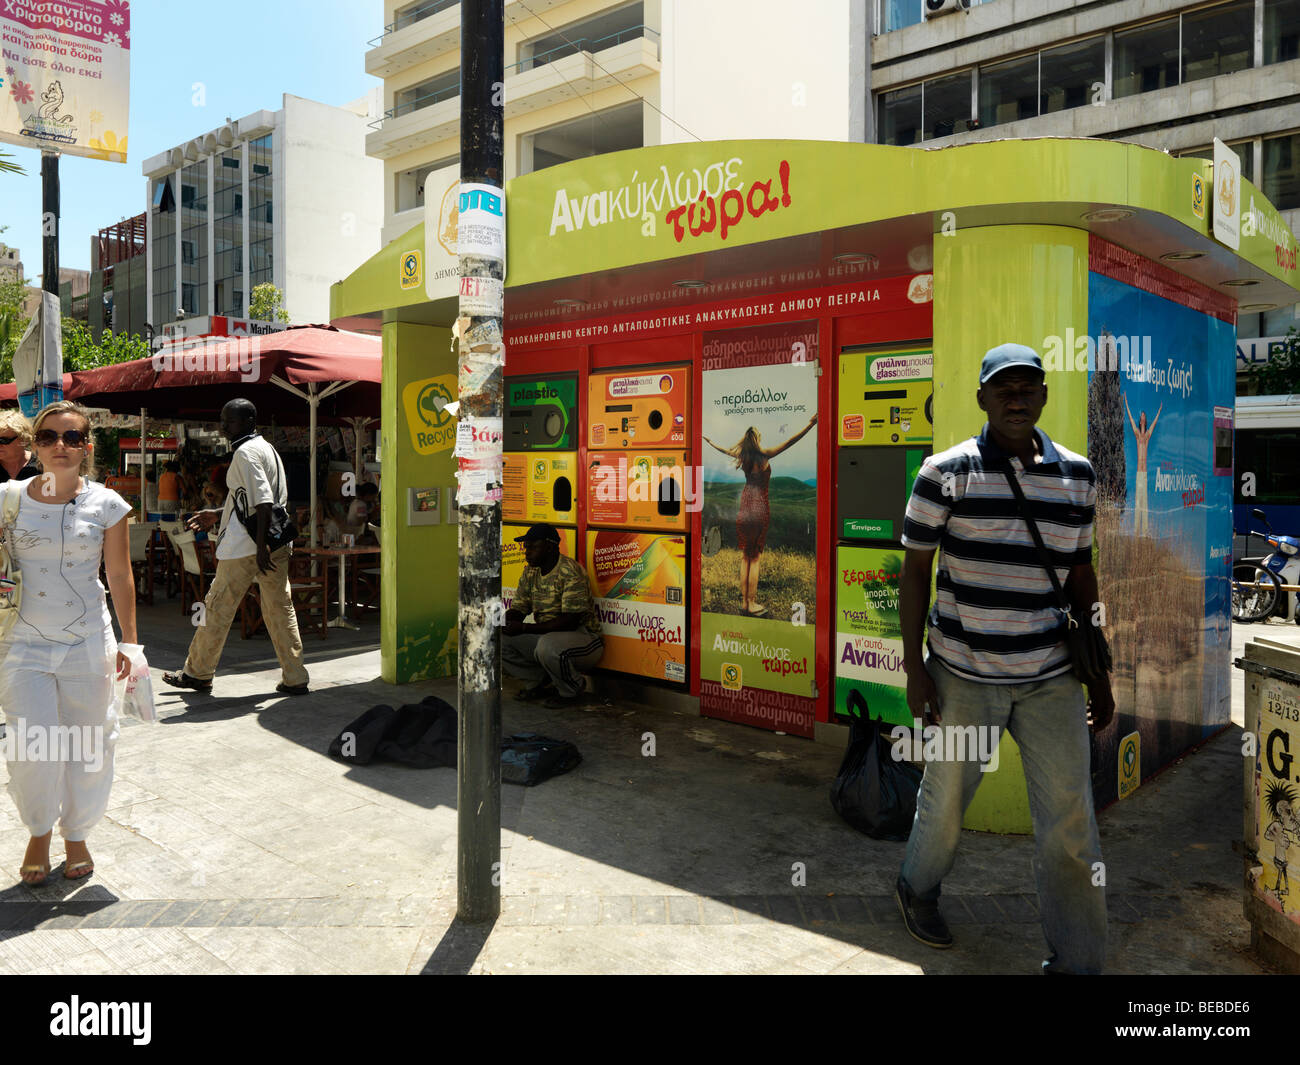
(58, 548)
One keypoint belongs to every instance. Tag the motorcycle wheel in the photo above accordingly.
(1255, 592)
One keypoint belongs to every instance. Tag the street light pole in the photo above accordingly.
(481, 250)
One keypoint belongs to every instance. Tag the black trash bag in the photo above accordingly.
(420, 734)
(360, 739)
(873, 792)
(423, 735)
(528, 759)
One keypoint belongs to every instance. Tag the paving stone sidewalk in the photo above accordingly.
(234, 844)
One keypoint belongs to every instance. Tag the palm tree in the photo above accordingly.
(7, 167)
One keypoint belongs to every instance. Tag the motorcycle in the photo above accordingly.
(1257, 582)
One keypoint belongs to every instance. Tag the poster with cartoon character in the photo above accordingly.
(65, 83)
(1278, 781)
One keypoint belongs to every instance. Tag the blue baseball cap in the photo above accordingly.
(1005, 356)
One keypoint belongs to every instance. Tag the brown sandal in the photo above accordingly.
(34, 869)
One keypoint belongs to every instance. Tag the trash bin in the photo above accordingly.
(1271, 807)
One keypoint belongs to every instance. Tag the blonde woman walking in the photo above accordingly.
(56, 677)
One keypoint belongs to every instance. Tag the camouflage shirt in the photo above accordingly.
(562, 591)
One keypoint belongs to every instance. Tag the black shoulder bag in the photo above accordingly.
(280, 529)
(1089, 653)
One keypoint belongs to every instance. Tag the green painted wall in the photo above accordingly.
(418, 598)
(994, 285)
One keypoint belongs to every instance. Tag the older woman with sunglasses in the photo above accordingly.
(15, 447)
(56, 679)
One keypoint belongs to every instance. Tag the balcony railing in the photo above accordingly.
(584, 44)
(551, 55)
(411, 16)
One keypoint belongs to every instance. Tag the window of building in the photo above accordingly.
(163, 199)
(613, 130)
(409, 192)
(1245, 149)
(413, 13)
(1281, 178)
(947, 105)
(1072, 75)
(585, 35)
(1281, 30)
(1146, 58)
(899, 116)
(427, 93)
(187, 252)
(1219, 40)
(1009, 91)
(895, 14)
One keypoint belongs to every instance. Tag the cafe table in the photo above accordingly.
(342, 554)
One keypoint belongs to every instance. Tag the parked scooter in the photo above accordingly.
(1257, 591)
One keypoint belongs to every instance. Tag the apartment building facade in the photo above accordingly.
(584, 77)
(287, 197)
(1170, 74)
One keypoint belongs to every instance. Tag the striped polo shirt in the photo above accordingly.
(995, 618)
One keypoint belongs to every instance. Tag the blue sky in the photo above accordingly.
(246, 53)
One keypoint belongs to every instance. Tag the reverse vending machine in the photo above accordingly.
(639, 484)
(885, 432)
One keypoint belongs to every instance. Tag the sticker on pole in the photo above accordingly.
(481, 297)
(478, 461)
(481, 227)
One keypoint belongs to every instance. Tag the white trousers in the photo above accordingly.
(61, 733)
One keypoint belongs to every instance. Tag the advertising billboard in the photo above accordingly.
(639, 584)
(65, 81)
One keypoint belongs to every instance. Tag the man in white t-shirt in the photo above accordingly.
(255, 483)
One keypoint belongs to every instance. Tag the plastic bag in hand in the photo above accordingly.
(136, 699)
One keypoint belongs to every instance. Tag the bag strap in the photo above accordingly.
(12, 502)
(1023, 506)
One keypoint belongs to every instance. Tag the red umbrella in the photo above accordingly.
(282, 373)
(195, 381)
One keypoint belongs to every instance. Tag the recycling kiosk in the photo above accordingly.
(727, 360)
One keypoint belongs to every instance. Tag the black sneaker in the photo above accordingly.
(922, 919)
(537, 691)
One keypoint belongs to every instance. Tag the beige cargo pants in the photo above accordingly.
(233, 577)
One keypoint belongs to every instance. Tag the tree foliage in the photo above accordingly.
(264, 304)
(1280, 376)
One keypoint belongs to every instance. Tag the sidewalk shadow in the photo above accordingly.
(458, 949)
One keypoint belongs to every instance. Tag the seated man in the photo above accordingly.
(564, 636)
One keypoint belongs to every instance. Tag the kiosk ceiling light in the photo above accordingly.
(1242, 282)
(1107, 214)
(1182, 256)
(691, 282)
(1256, 308)
(570, 303)
(855, 257)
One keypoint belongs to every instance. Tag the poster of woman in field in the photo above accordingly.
(754, 514)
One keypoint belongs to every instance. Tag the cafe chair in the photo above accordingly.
(195, 572)
(142, 557)
(310, 592)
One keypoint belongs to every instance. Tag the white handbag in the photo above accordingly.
(11, 581)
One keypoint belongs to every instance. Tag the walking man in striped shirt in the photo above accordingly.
(997, 654)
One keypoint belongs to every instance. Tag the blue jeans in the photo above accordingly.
(1048, 719)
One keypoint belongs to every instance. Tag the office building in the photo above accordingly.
(287, 197)
(584, 77)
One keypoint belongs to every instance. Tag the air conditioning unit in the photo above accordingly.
(935, 8)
